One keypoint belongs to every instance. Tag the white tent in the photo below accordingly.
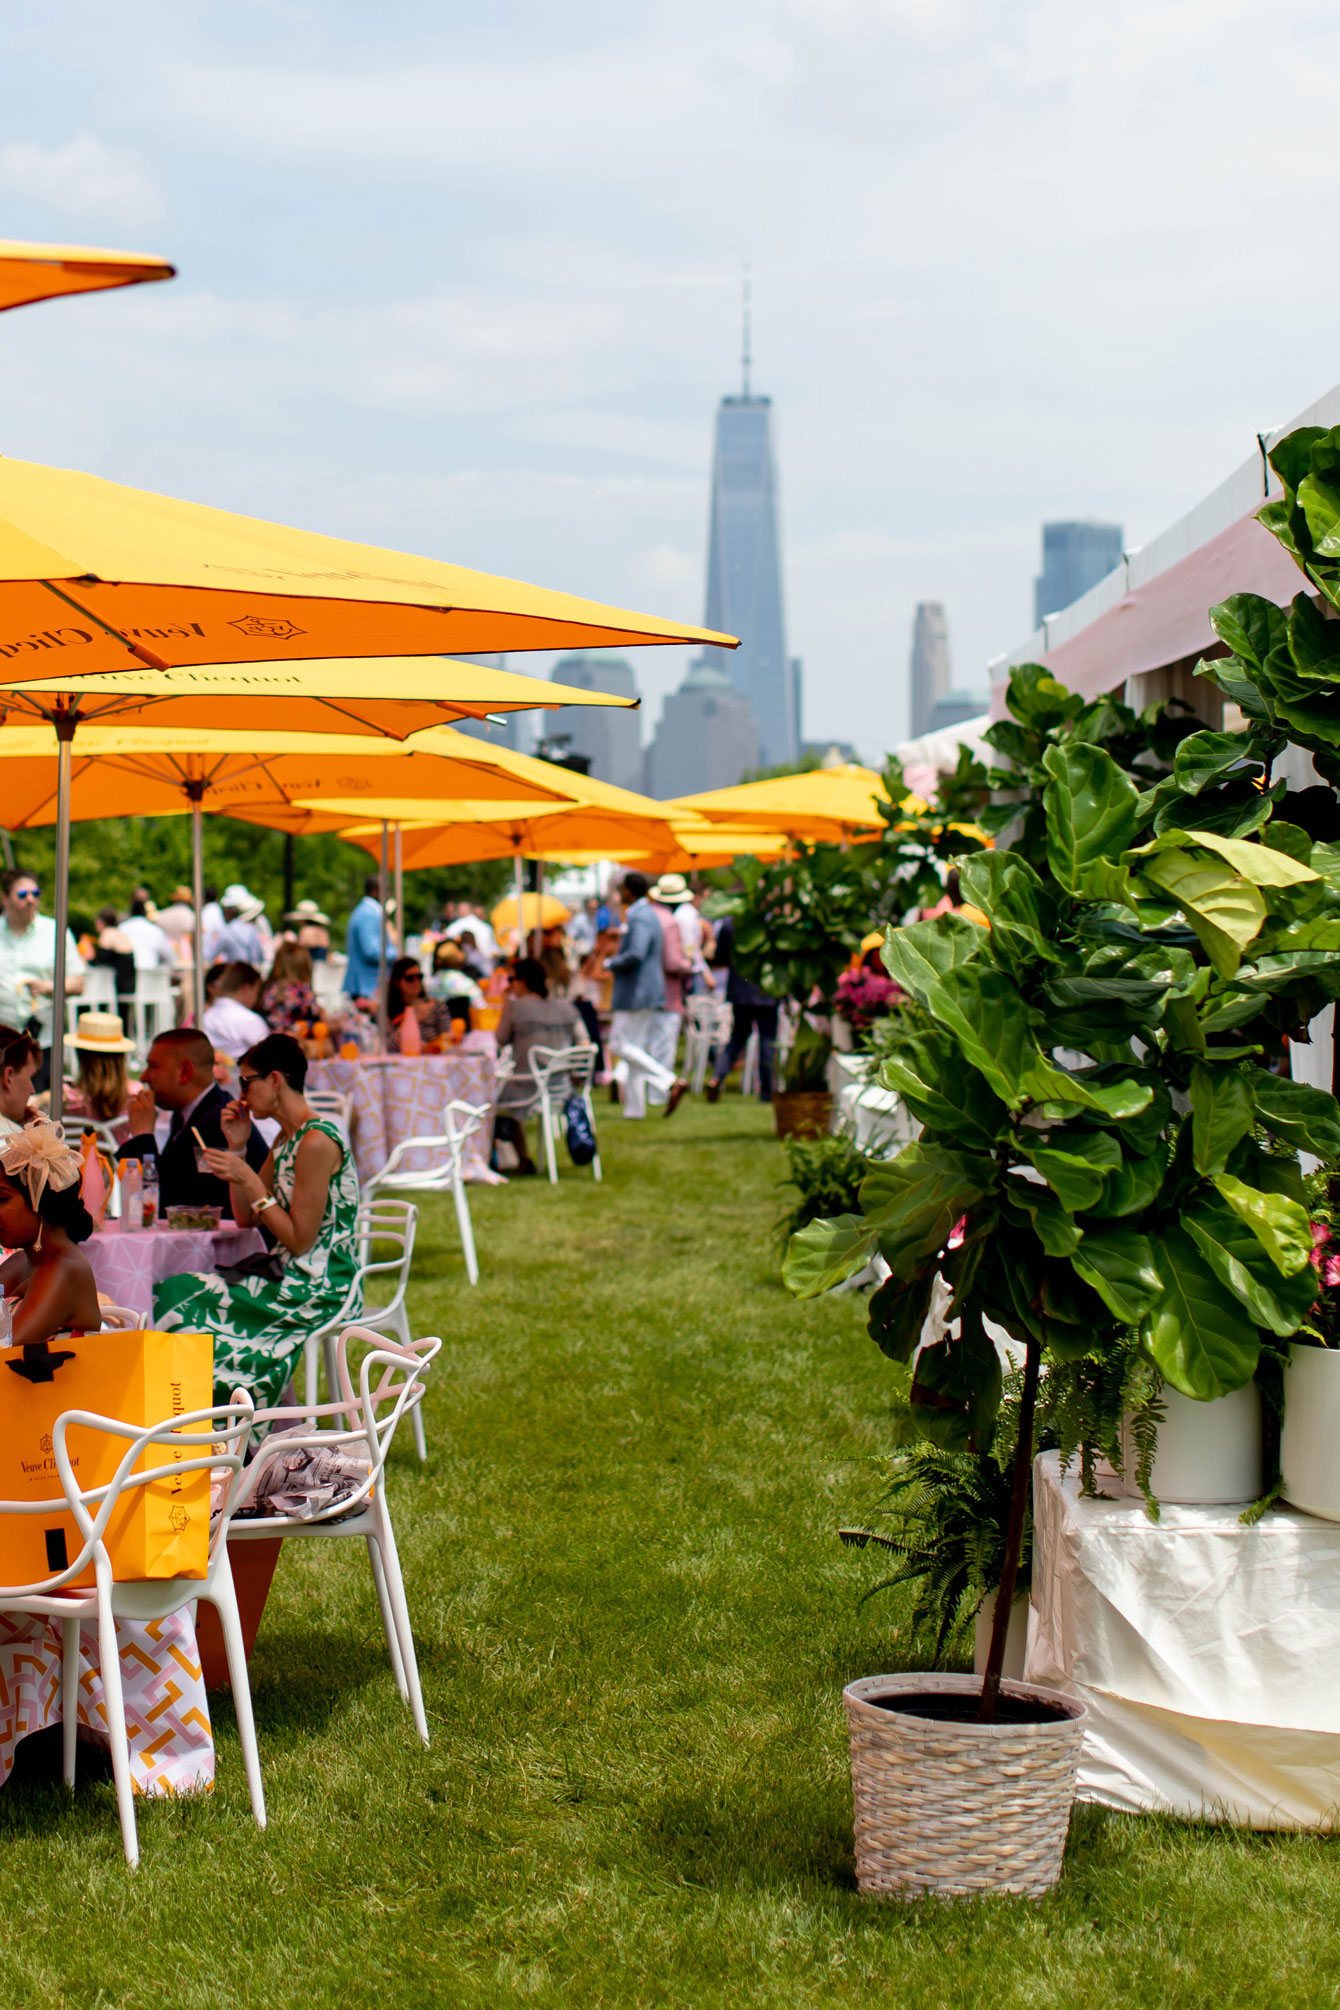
(925, 759)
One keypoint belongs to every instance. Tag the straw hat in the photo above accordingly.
(307, 910)
(182, 897)
(101, 1033)
(670, 889)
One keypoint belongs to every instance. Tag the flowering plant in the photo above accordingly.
(865, 995)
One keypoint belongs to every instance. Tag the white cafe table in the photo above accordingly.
(1206, 1652)
(127, 1263)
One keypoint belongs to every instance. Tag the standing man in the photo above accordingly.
(239, 940)
(363, 942)
(638, 1002)
(149, 941)
(750, 1009)
(667, 898)
(28, 963)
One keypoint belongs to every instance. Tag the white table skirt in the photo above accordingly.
(128, 1263)
(1206, 1652)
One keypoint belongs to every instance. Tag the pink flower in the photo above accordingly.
(1330, 1271)
(1321, 1235)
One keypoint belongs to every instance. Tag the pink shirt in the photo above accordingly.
(674, 962)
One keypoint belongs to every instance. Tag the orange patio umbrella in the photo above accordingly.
(824, 804)
(31, 272)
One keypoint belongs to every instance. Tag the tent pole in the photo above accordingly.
(539, 906)
(520, 904)
(65, 722)
(194, 790)
(382, 1020)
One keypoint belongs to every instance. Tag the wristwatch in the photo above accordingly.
(259, 1206)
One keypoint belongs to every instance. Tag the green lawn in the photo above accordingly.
(634, 1624)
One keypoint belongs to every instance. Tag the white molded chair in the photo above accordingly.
(707, 1023)
(153, 1006)
(338, 1109)
(560, 1072)
(218, 1445)
(362, 1425)
(98, 995)
(461, 1121)
(119, 1318)
(384, 1232)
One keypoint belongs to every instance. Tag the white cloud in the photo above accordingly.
(82, 179)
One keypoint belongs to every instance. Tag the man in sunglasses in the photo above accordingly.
(28, 963)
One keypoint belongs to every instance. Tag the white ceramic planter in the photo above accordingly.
(1310, 1442)
(1016, 1640)
(1209, 1454)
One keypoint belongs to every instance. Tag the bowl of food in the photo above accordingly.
(183, 1216)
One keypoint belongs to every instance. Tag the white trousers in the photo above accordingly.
(663, 1046)
(633, 1040)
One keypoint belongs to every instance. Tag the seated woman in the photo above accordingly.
(450, 981)
(404, 993)
(48, 1281)
(530, 1019)
(103, 1089)
(288, 999)
(306, 1193)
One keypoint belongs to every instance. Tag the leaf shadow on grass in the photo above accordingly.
(752, 1837)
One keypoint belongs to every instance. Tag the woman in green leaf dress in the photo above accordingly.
(306, 1193)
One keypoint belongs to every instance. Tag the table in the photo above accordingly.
(1205, 1651)
(127, 1263)
(167, 1712)
(397, 1097)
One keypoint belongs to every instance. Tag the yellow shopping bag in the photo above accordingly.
(158, 1530)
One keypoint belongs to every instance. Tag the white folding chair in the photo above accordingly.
(363, 1426)
(217, 1441)
(98, 995)
(560, 1072)
(707, 1022)
(152, 1005)
(749, 1066)
(460, 1122)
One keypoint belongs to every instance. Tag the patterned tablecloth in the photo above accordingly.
(167, 1712)
(128, 1263)
(395, 1098)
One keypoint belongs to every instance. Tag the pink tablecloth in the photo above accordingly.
(395, 1098)
(167, 1714)
(128, 1264)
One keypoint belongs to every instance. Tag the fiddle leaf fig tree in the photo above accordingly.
(1106, 1144)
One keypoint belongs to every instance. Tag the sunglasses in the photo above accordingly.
(244, 1082)
(26, 893)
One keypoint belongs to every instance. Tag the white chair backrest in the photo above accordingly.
(462, 1121)
(390, 1383)
(154, 987)
(330, 1103)
(99, 992)
(218, 1440)
(708, 1014)
(563, 1070)
(384, 1230)
(119, 1318)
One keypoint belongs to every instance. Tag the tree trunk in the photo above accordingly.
(1014, 1540)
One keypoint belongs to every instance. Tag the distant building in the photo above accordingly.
(956, 707)
(1075, 556)
(611, 740)
(929, 669)
(707, 738)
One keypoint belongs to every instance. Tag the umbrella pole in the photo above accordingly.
(400, 891)
(539, 906)
(64, 722)
(194, 790)
(383, 1022)
(520, 904)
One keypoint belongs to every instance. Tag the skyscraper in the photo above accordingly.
(1075, 556)
(707, 737)
(744, 569)
(611, 740)
(929, 668)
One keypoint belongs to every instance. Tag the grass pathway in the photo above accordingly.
(634, 1624)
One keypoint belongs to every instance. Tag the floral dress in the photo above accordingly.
(259, 1323)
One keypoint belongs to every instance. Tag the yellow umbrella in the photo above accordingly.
(538, 910)
(30, 272)
(827, 804)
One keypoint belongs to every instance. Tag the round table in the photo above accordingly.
(127, 1263)
(396, 1096)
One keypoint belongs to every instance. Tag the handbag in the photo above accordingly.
(581, 1137)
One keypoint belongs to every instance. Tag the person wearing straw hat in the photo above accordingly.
(239, 940)
(311, 929)
(103, 1088)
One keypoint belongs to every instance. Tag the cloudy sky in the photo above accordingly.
(466, 280)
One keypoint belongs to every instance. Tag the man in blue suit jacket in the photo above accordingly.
(638, 999)
(363, 942)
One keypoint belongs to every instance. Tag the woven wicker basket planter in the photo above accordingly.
(953, 1809)
(802, 1113)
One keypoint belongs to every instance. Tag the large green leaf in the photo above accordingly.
(1204, 758)
(912, 1202)
(1251, 626)
(1037, 700)
(1076, 1166)
(1021, 911)
(898, 1312)
(1054, 1225)
(825, 1253)
(1319, 501)
(985, 1012)
(1279, 1223)
(1200, 1336)
(956, 1391)
(1118, 1264)
(1090, 808)
(1131, 1187)
(1302, 1116)
(1238, 1259)
(1221, 1115)
(1115, 1095)
(1314, 642)
(928, 1072)
(1225, 910)
(1262, 864)
(918, 956)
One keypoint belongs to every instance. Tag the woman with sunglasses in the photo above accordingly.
(306, 1194)
(405, 993)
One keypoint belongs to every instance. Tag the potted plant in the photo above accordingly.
(1104, 1128)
